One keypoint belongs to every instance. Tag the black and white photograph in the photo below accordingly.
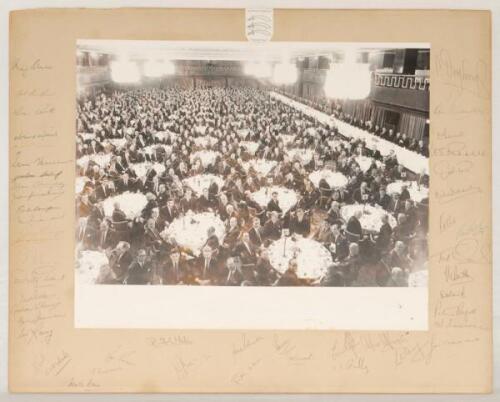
(254, 165)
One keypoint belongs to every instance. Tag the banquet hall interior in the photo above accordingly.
(252, 164)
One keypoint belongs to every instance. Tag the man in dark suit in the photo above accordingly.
(139, 272)
(153, 185)
(140, 185)
(206, 266)
(103, 190)
(290, 277)
(151, 234)
(124, 183)
(204, 201)
(212, 240)
(120, 259)
(188, 202)
(265, 274)
(422, 149)
(233, 273)
(232, 233)
(175, 268)
(411, 214)
(351, 265)
(396, 205)
(383, 239)
(273, 204)
(362, 194)
(169, 212)
(245, 250)
(405, 193)
(403, 231)
(398, 173)
(300, 223)
(382, 199)
(120, 166)
(95, 148)
(162, 196)
(106, 236)
(353, 229)
(118, 215)
(92, 229)
(273, 227)
(376, 154)
(339, 247)
(255, 233)
(399, 257)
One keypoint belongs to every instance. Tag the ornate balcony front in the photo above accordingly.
(402, 81)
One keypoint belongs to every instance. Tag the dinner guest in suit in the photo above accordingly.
(139, 272)
(300, 223)
(256, 233)
(169, 212)
(233, 273)
(207, 267)
(274, 204)
(176, 269)
(339, 247)
(353, 230)
(120, 259)
(245, 250)
(273, 227)
(382, 199)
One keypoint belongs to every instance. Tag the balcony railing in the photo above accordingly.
(402, 81)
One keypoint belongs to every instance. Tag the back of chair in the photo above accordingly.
(325, 191)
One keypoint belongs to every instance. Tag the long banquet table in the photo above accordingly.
(411, 160)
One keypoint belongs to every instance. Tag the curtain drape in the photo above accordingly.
(359, 109)
(413, 125)
(378, 116)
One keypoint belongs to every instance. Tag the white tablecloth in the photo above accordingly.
(101, 159)
(371, 220)
(191, 229)
(118, 142)
(251, 146)
(199, 182)
(304, 155)
(141, 169)
(80, 183)
(261, 166)
(417, 194)
(243, 132)
(87, 136)
(411, 160)
(335, 143)
(150, 149)
(200, 129)
(89, 265)
(287, 138)
(205, 141)
(130, 203)
(334, 179)
(365, 162)
(286, 198)
(312, 257)
(164, 135)
(418, 279)
(207, 157)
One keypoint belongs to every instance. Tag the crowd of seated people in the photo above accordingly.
(139, 249)
(334, 108)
